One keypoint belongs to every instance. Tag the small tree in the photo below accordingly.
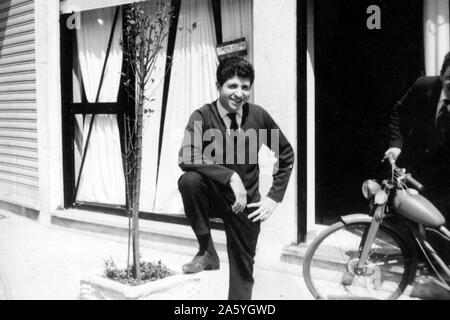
(143, 38)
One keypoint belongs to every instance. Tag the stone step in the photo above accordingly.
(158, 235)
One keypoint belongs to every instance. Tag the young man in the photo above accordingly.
(221, 179)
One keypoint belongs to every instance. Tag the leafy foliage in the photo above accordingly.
(143, 39)
(150, 271)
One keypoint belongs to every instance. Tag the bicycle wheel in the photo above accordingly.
(330, 266)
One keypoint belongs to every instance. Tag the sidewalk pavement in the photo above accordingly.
(39, 262)
(47, 262)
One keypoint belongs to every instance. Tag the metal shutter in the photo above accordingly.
(18, 130)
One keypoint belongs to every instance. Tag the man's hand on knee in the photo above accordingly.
(265, 209)
(239, 192)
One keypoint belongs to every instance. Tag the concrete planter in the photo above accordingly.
(176, 287)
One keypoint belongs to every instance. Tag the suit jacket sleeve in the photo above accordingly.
(285, 159)
(191, 158)
(397, 121)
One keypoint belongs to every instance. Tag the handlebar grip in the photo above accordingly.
(414, 182)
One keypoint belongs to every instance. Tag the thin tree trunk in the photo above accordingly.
(137, 179)
(142, 57)
(128, 200)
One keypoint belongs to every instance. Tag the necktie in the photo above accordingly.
(234, 125)
(443, 122)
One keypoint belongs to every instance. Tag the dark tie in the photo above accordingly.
(443, 122)
(234, 125)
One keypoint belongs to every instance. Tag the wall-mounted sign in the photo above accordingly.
(236, 47)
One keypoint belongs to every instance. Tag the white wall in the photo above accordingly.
(275, 89)
(48, 96)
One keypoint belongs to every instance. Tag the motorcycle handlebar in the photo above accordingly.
(409, 179)
(414, 182)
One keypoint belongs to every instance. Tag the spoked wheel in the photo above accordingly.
(331, 271)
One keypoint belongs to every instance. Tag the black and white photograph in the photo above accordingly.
(223, 150)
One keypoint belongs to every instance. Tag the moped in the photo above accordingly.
(375, 255)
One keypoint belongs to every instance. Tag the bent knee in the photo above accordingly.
(190, 181)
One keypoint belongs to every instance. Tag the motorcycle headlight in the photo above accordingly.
(380, 197)
(370, 188)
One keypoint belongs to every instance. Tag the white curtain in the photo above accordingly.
(192, 84)
(436, 34)
(237, 22)
(102, 179)
(150, 138)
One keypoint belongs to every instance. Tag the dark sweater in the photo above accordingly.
(211, 157)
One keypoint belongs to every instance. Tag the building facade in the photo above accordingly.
(68, 83)
(315, 61)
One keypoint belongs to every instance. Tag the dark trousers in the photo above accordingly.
(204, 199)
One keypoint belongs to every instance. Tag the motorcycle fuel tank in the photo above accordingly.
(418, 208)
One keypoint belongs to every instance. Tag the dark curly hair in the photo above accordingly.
(234, 66)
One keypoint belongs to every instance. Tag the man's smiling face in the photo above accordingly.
(234, 93)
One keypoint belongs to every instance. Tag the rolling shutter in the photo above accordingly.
(18, 130)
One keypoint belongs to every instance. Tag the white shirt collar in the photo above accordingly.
(224, 112)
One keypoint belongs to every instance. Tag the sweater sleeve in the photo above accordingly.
(191, 157)
(284, 154)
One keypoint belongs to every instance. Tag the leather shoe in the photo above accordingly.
(202, 261)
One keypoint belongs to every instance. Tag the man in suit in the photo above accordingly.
(418, 132)
(219, 157)
(419, 135)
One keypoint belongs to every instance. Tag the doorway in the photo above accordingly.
(359, 74)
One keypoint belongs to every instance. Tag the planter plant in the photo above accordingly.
(142, 41)
(157, 283)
